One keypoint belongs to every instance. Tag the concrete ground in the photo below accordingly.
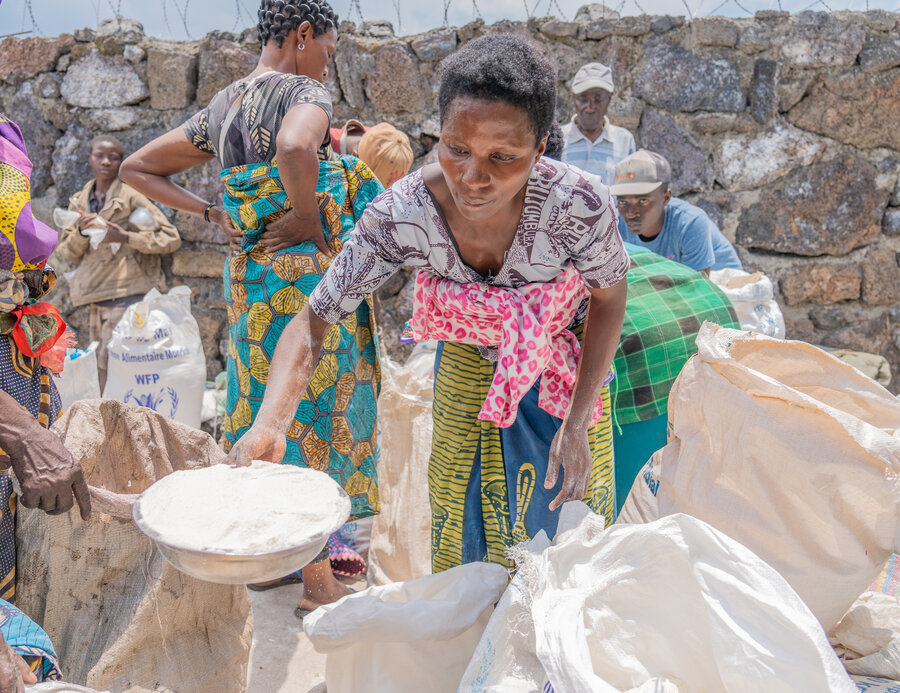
(282, 660)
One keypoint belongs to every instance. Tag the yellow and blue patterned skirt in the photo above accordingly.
(334, 428)
(486, 484)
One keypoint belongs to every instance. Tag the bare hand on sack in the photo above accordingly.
(220, 217)
(570, 450)
(259, 443)
(115, 234)
(86, 221)
(14, 672)
(295, 227)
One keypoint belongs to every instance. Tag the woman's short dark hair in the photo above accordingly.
(278, 17)
(502, 67)
(555, 142)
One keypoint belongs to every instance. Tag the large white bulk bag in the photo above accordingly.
(156, 357)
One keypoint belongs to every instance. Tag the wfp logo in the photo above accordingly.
(163, 402)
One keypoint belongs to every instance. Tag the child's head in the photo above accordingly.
(106, 157)
(387, 152)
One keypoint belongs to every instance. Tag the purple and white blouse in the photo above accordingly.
(568, 217)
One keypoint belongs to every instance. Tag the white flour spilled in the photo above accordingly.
(262, 508)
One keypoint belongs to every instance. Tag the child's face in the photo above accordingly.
(105, 160)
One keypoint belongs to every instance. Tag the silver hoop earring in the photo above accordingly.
(300, 46)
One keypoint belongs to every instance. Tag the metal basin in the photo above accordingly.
(237, 569)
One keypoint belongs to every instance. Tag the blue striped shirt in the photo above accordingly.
(600, 156)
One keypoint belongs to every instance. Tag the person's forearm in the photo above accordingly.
(602, 330)
(160, 189)
(147, 171)
(16, 423)
(291, 369)
(299, 169)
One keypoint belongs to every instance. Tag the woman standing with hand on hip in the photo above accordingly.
(513, 250)
(289, 205)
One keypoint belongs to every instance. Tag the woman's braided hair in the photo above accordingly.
(278, 17)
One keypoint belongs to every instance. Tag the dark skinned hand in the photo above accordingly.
(85, 221)
(259, 443)
(295, 227)
(49, 476)
(115, 234)
(220, 218)
(14, 672)
(569, 450)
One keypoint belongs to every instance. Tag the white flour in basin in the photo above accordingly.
(262, 508)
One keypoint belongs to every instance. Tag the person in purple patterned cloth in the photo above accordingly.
(491, 212)
(31, 347)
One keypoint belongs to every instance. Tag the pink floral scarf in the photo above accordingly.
(528, 324)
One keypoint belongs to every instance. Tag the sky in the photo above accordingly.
(167, 18)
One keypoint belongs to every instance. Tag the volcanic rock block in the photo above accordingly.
(857, 108)
(661, 134)
(172, 75)
(435, 44)
(198, 263)
(99, 81)
(880, 56)
(24, 58)
(672, 78)
(395, 85)
(819, 39)
(221, 63)
(828, 208)
(881, 277)
(821, 283)
(714, 31)
(748, 162)
(764, 90)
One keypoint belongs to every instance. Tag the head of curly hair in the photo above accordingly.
(278, 17)
(502, 67)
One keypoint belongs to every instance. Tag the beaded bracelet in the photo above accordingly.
(206, 211)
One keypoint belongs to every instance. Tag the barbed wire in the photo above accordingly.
(360, 10)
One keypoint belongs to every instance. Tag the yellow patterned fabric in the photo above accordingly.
(486, 484)
(334, 428)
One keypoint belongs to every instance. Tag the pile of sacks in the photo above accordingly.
(746, 543)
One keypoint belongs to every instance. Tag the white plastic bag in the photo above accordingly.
(868, 637)
(668, 606)
(142, 219)
(409, 637)
(400, 547)
(156, 357)
(790, 452)
(357, 534)
(753, 298)
(79, 378)
(874, 684)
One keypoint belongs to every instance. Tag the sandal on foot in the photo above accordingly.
(344, 560)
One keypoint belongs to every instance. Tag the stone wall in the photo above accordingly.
(784, 128)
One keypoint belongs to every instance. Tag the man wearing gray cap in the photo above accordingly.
(651, 218)
(591, 142)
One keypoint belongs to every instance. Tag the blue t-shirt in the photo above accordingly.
(688, 236)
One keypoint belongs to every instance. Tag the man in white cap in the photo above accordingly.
(649, 217)
(591, 142)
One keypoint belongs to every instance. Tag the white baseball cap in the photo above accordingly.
(592, 76)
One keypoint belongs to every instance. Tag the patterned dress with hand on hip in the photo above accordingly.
(334, 428)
